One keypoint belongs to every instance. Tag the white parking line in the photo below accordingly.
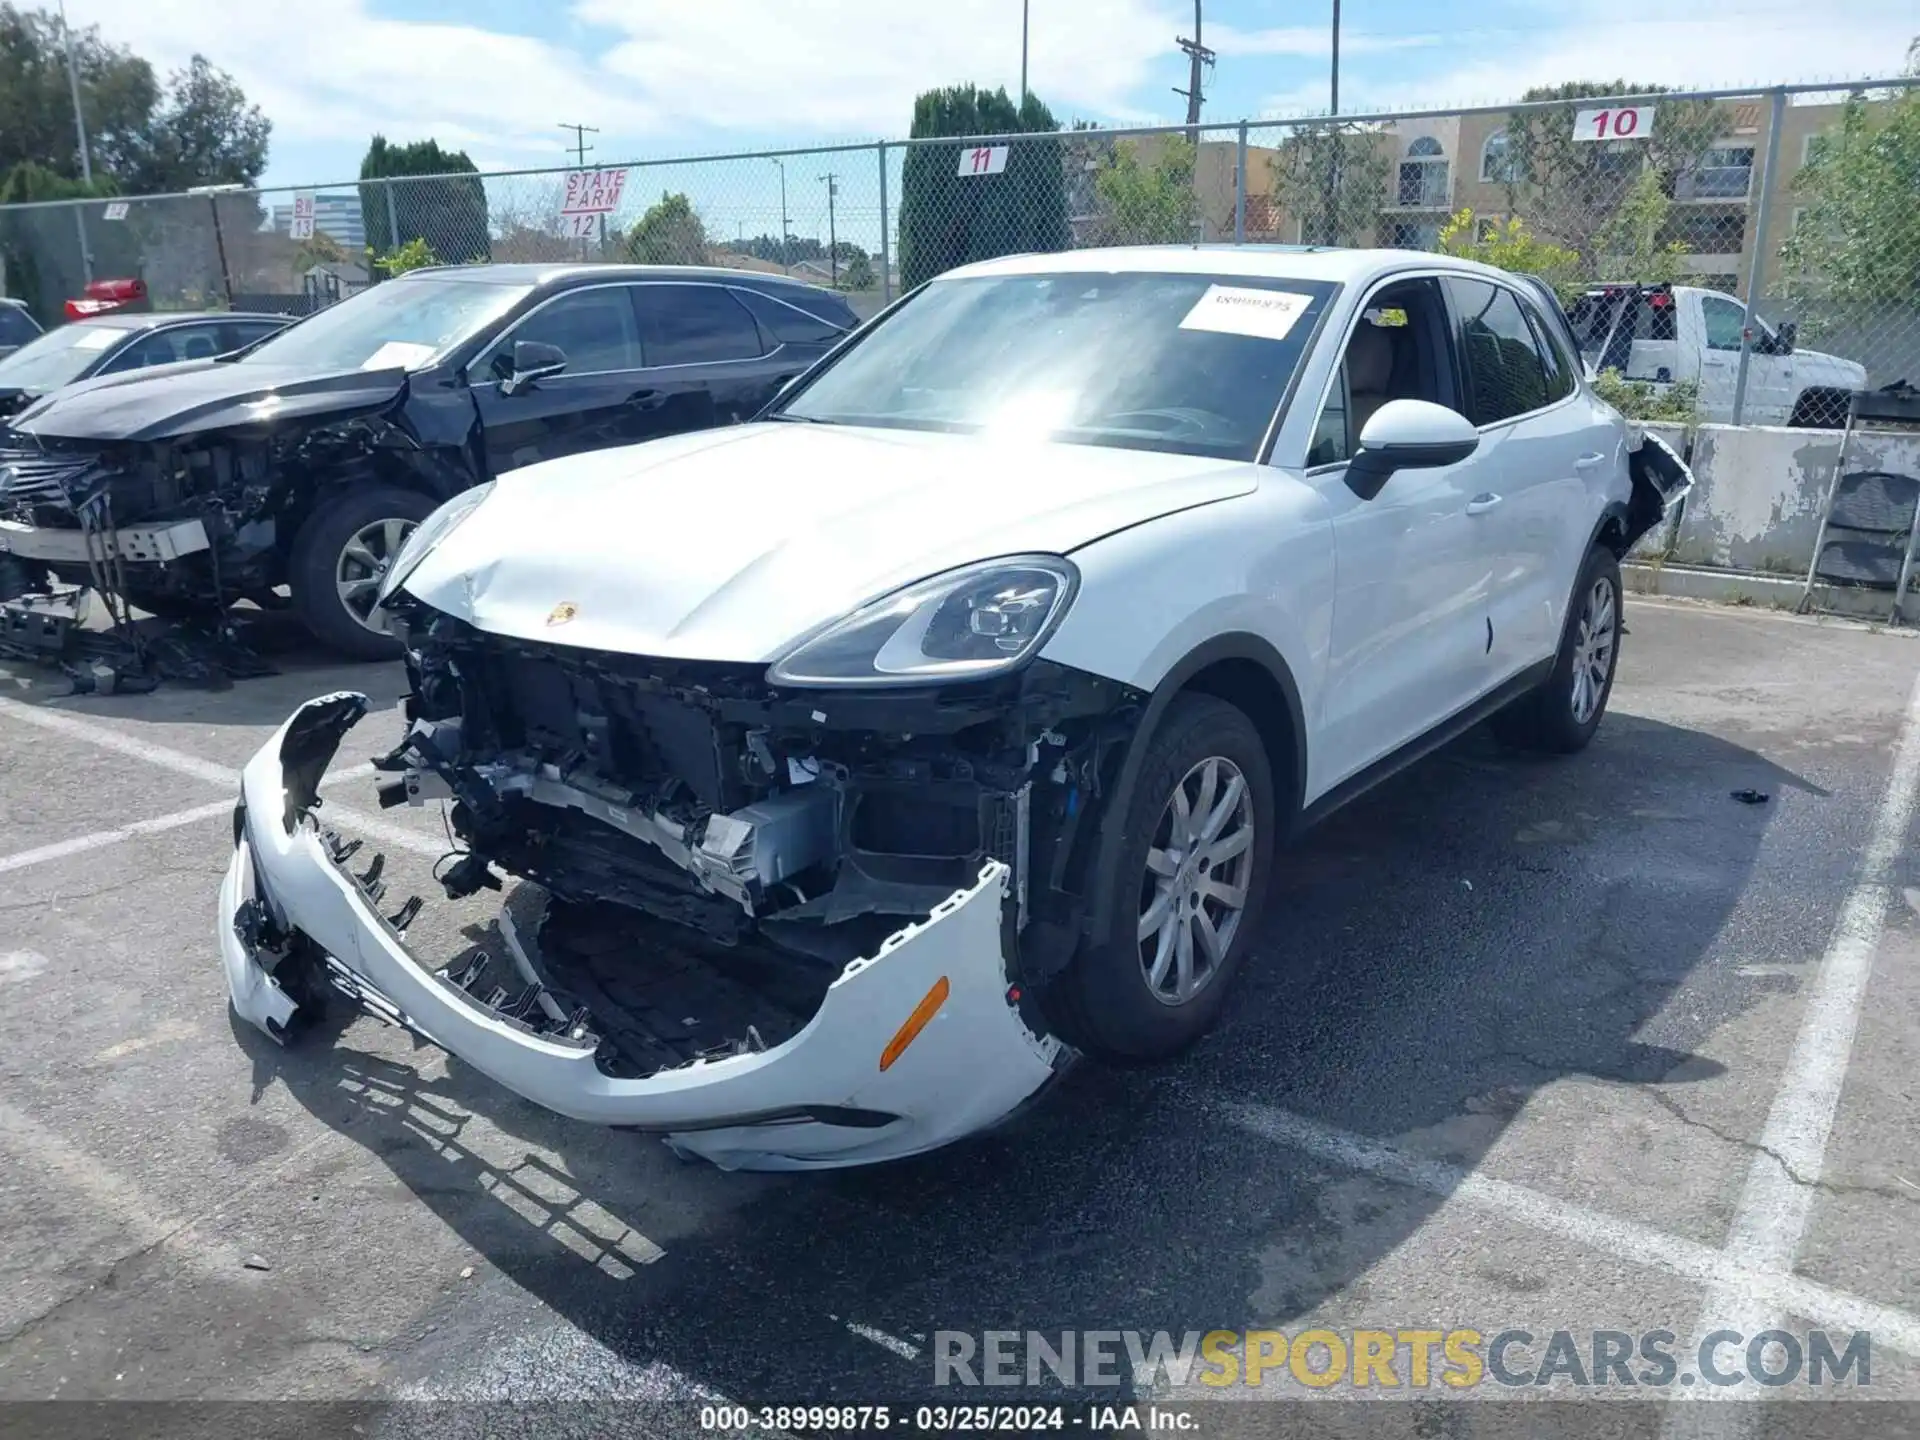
(163, 757)
(1777, 1201)
(1635, 1243)
(80, 844)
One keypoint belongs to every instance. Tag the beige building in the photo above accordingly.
(1437, 166)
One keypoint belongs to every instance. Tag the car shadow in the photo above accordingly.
(1436, 953)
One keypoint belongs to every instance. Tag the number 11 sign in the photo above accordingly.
(1614, 122)
(983, 160)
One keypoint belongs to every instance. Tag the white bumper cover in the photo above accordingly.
(971, 1066)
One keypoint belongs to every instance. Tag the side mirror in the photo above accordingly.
(1408, 435)
(1787, 334)
(531, 361)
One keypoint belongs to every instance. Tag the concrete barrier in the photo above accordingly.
(1758, 491)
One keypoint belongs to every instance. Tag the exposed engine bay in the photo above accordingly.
(693, 821)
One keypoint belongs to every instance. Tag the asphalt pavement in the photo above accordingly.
(1527, 1045)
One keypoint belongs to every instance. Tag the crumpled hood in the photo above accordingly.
(731, 544)
(196, 395)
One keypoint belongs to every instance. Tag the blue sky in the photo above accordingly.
(681, 77)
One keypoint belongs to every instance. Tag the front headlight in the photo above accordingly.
(427, 534)
(978, 620)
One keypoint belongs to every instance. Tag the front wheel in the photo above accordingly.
(1562, 714)
(1192, 881)
(339, 559)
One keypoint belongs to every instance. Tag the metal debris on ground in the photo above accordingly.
(129, 657)
(1751, 797)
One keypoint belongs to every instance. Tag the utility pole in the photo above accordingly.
(1023, 53)
(580, 149)
(80, 130)
(73, 86)
(786, 229)
(833, 240)
(580, 146)
(1199, 60)
(1334, 108)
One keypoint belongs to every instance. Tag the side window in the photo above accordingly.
(238, 333)
(1560, 381)
(1330, 444)
(595, 329)
(1725, 320)
(810, 321)
(1505, 374)
(696, 325)
(165, 347)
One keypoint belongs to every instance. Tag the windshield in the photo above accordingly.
(1194, 364)
(405, 323)
(58, 357)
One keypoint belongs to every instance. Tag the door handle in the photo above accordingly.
(1587, 462)
(647, 399)
(1482, 503)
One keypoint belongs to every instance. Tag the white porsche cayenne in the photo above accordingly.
(855, 769)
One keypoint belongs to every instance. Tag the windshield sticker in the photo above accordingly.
(397, 354)
(98, 339)
(1238, 310)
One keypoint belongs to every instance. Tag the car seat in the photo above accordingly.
(1369, 373)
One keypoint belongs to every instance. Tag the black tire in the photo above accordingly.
(1548, 718)
(1820, 409)
(1105, 1000)
(312, 567)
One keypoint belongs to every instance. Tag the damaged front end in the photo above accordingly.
(861, 894)
(198, 519)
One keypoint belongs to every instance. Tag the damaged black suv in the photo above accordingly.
(293, 471)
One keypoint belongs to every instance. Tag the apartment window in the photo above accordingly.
(1723, 171)
(1414, 235)
(1498, 164)
(1423, 175)
(1708, 232)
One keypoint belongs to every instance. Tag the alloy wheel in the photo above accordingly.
(362, 565)
(1194, 891)
(1593, 648)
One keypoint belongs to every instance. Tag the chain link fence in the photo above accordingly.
(1726, 256)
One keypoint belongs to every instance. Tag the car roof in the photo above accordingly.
(154, 319)
(535, 273)
(1280, 262)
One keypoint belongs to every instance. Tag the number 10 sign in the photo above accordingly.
(1614, 122)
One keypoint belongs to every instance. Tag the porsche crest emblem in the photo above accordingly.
(562, 613)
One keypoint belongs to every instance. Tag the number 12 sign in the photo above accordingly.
(1614, 122)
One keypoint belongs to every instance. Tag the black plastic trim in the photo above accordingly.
(1421, 746)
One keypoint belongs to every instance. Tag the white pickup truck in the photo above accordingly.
(1668, 334)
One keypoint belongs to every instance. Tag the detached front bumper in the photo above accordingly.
(970, 1066)
(134, 544)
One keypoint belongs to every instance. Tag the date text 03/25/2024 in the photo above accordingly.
(947, 1419)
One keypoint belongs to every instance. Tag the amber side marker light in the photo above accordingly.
(928, 1007)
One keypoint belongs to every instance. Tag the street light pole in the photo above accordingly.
(786, 230)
